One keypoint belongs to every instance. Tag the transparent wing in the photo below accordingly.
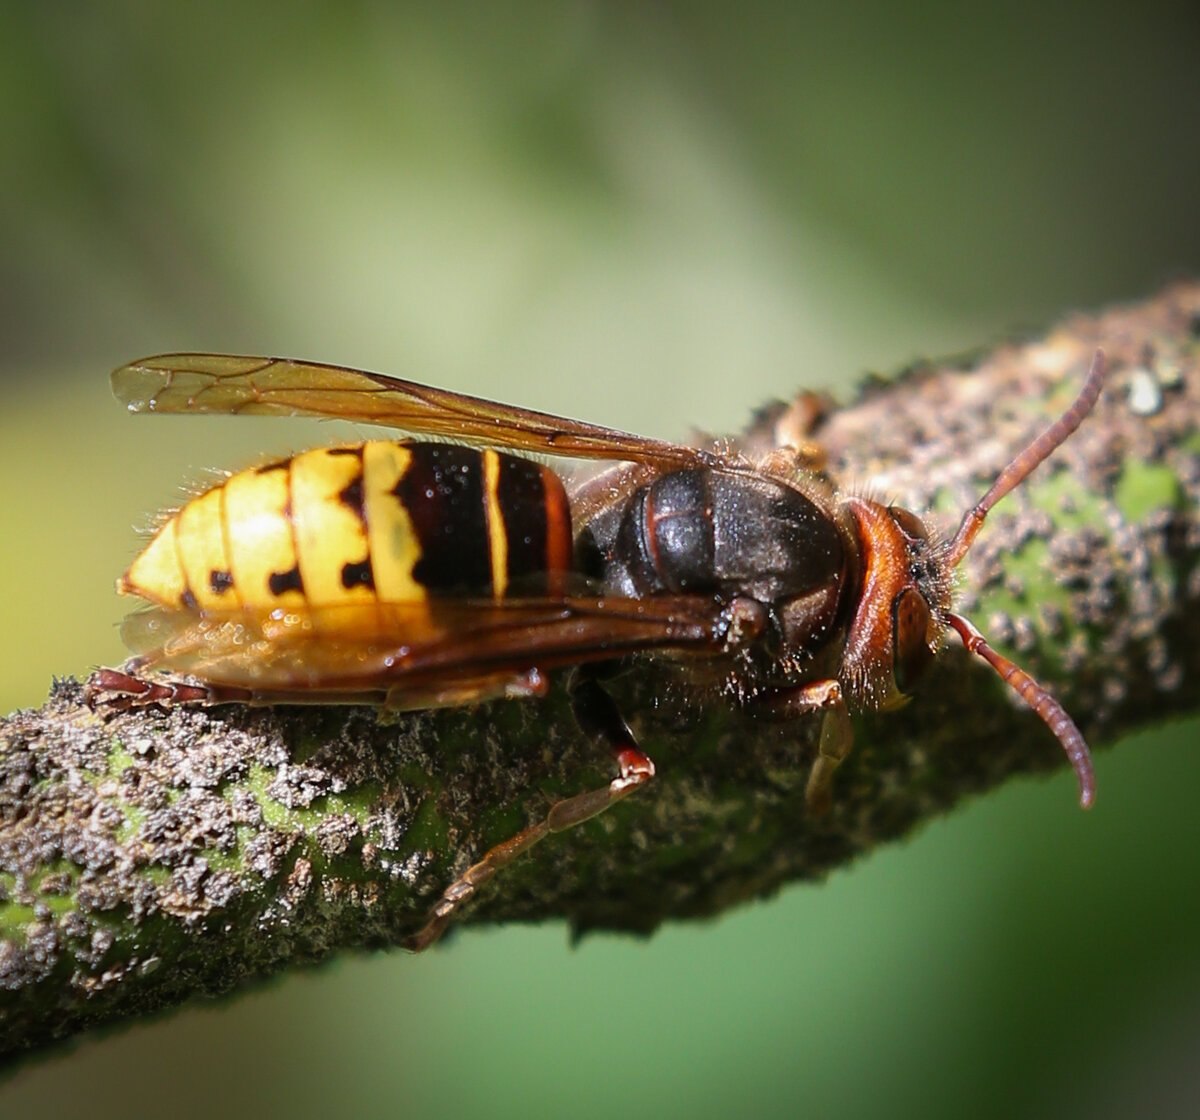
(282, 387)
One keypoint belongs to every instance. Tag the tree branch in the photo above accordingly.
(150, 857)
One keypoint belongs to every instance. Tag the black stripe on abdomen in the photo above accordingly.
(521, 495)
(442, 492)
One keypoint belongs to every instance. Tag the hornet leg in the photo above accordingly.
(837, 733)
(597, 715)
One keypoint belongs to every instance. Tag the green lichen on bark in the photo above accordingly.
(151, 857)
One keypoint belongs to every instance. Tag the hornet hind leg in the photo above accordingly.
(597, 714)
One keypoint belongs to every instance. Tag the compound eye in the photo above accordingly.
(910, 524)
(910, 626)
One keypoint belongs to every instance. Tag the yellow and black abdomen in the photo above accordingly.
(382, 521)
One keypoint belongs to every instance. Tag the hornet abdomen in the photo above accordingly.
(386, 520)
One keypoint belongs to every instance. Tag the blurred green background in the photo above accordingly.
(651, 216)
